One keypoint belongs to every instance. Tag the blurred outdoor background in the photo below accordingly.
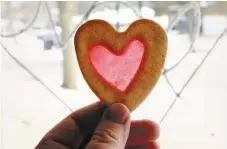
(40, 81)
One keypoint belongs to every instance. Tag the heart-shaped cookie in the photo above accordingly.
(121, 66)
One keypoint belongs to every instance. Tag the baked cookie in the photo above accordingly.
(121, 66)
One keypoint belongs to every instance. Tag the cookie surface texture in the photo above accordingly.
(121, 66)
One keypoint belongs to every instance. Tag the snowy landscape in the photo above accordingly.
(197, 119)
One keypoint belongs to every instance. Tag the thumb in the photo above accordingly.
(113, 130)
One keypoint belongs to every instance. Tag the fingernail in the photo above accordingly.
(117, 113)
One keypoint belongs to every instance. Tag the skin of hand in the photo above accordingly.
(100, 127)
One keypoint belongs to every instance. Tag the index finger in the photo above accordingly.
(72, 131)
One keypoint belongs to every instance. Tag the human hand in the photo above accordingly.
(99, 127)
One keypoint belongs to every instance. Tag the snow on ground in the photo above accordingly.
(198, 121)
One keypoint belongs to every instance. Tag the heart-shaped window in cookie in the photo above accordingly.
(118, 69)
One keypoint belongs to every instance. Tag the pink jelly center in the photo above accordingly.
(118, 70)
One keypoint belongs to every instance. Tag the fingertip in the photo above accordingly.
(143, 131)
(153, 129)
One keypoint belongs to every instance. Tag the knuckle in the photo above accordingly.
(105, 136)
